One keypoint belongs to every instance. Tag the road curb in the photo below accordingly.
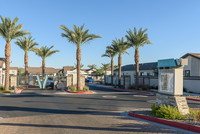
(139, 92)
(166, 122)
(78, 92)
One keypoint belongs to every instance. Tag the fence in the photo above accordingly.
(191, 83)
(125, 80)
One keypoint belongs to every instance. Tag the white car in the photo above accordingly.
(51, 82)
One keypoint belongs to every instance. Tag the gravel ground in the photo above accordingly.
(147, 112)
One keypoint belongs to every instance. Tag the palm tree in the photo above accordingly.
(81, 66)
(120, 47)
(79, 38)
(105, 66)
(44, 52)
(137, 40)
(9, 31)
(92, 66)
(111, 54)
(27, 45)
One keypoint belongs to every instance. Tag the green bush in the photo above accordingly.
(144, 88)
(190, 92)
(73, 89)
(86, 88)
(195, 114)
(2, 88)
(184, 89)
(7, 91)
(153, 87)
(167, 112)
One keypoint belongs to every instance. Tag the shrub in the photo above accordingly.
(153, 87)
(156, 87)
(86, 88)
(73, 89)
(190, 92)
(132, 87)
(2, 88)
(7, 91)
(184, 89)
(167, 112)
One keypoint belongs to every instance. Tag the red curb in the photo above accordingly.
(17, 90)
(139, 92)
(192, 99)
(79, 92)
(166, 122)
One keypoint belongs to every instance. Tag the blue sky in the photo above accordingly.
(173, 27)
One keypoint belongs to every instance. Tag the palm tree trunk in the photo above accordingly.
(26, 66)
(119, 72)
(112, 68)
(78, 58)
(137, 57)
(7, 55)
(43, 69)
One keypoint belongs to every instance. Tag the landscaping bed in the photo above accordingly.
(79, 92)
(168, 115)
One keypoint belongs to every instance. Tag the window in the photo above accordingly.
(187, 72)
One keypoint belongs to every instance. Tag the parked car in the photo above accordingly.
(90, 79)
(52, 82)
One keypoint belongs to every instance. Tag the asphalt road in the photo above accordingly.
(36, 104)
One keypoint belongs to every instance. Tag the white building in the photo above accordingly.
(193, 67)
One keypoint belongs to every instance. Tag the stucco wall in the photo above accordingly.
(193, 66)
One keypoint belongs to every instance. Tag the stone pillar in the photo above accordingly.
(68, 81)
(82, 82)
(13, 81)
(173, 101)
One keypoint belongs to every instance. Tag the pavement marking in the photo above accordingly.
(109, 96)
(161, 125)
(139, 96)
(1, 118)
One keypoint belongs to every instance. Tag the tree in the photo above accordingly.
(19, 72)
(100, 72)
(81, 66)
(120, 47)
(44, 52)
(105, 66)
(92, 66)
(9, 31)
(111, 54)
(27, 45)
(115, 66)
(137, 39)
(79, 38)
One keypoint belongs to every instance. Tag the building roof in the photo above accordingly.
(68, 68)
(2, 60)
(39, 70)
(142, 66)
(13, 68)
(196, 55)
(108, 69)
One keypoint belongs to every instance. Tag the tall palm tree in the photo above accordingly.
(120, 47)
(44, 52)
(26, 44)
(137, 40)
(111, 54)
(79, 38)
(9, 31)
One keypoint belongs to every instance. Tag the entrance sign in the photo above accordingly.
(45, 81)
(39, 82)
(170, 88)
